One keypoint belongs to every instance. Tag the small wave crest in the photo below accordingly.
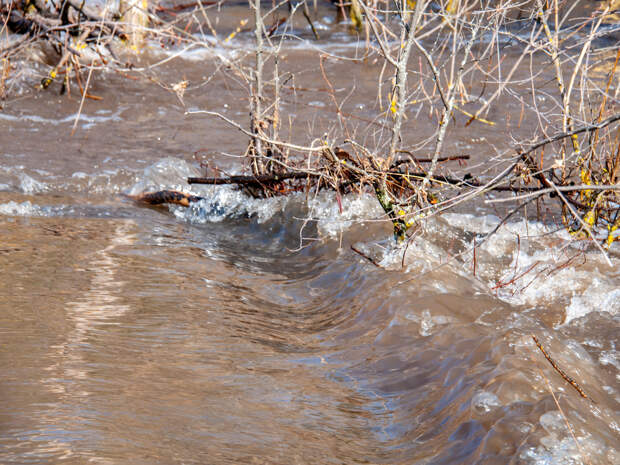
(15, 178)
(26, 208)
(227, 202)
(532, 264)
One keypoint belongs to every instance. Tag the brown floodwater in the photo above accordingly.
(245, 331)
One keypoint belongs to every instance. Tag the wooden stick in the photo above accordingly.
(363, 255)
(259, 179)
(555, 366)
(426, 160)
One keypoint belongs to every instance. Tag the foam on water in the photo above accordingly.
(26, 208)
(15, 178)
(223, 202)
(599, 296)
(484, 402)
(29, 185)
(102, 181)
(219, 202)
(87, 120)
(205, 47)
(168, 173)
(560, 447)
(528, 263)
(332, 219)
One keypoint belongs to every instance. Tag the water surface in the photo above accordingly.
(222, 334)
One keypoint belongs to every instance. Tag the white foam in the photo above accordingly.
(331, 220)
(21, 209)
(528, 263)
(224, 202)
(221, 202)
(429, 323)
(601, 295)
(545, 276)
(168, 173)
(610, 357)
(29, 185)
(558, 447)
(481, 224)
(205, 47)
(87, 120)
(484, 402)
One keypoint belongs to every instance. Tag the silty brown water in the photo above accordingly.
(153, 336)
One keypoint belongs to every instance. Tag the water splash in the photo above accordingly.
(26, 208)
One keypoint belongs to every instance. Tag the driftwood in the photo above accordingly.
(166, 196)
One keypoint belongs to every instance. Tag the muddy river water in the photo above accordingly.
(135, 335)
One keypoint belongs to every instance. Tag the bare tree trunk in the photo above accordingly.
(135, 15)
(257, 92)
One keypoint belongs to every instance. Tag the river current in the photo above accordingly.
(248, 331)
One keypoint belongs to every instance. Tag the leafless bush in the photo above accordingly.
(462, 44)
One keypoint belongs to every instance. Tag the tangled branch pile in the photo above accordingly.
(582, 174)
(455, 60)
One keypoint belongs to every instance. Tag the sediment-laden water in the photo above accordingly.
(248, 331)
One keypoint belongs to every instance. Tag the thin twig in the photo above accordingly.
(555, 366)
(362, 254)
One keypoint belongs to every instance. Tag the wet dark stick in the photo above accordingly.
(166, 196)
(363, 255)
(259, 179)
(426, 160)
(555, 366)
(266, 178)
